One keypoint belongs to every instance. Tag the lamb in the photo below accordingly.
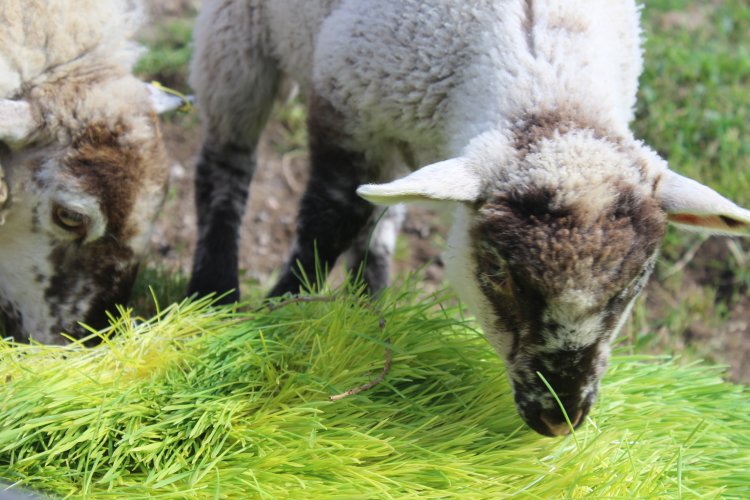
(511, 114)
(83, 171)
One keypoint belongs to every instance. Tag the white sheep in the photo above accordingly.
(513, 114)
(82, 168)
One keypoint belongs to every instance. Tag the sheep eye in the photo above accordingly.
(70, 220)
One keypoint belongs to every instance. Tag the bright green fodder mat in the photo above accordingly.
(202, 403)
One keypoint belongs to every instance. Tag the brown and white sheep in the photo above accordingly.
(512, 114)
(82, 168)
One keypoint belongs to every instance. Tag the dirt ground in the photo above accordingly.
(271, 211)
(721, 333)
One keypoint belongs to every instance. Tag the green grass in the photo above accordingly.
(168, 56)
(694, 104)
(694, 108)
(201, 403)
(156, 285)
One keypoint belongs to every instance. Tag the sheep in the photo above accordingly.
(83, 171)
(513, 115)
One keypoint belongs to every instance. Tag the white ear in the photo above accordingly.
(164, 101)
(16, 120)
(691, 204)
(449, 180)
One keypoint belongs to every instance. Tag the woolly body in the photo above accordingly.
(525, 108)
(80, 138)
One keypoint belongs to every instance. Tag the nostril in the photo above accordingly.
(559, 426)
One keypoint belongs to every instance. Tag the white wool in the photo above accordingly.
(433, 75)
(38, 35)
(375, 61)
(579, 52)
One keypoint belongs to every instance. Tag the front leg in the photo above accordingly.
(331, 214)
(372, 251)
(235, 78)
(222, 182)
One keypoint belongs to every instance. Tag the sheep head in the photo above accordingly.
(552, 241)
(86, 173)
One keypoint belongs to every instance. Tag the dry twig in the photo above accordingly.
(293, 184)
(686, 258)
(372, 383)
(298, 300)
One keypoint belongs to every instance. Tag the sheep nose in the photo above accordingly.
(557, 425)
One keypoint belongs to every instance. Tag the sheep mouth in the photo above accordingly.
(556, 423)
(554, 417)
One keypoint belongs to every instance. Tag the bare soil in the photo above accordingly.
(717, 329)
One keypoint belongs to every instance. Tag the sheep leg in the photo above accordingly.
(331, 214)
(371, 253)
(235, 84)
(221, 190)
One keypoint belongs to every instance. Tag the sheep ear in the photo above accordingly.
(164, 101)
(450, 180)
(16, 120)
(694, 206)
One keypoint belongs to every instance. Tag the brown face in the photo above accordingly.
(80, 219)
(559, 283)
(87, 282)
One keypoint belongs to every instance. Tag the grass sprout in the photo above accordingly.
(223, 402)
(562, 408)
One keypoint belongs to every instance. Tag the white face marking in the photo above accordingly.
(572, 333)
(145, 208)
(54, 275)
(23, 257)
(460, 270)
